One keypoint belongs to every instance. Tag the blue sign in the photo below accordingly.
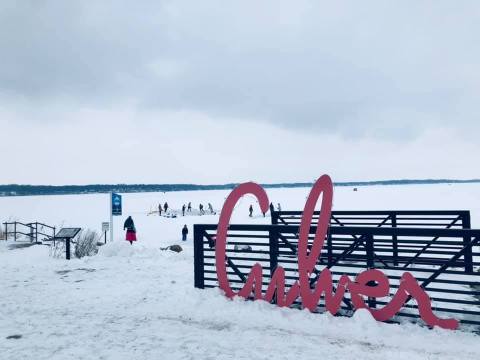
(116, 204)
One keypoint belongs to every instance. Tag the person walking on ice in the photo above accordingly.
(131, 234)
(189, 209)
(184, 233)
(159, 209)
(250, 210)
(279, 208)
(200, 207)
(210, 208)
(183, 210)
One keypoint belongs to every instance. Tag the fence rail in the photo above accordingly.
(442, 219)
(445, 261)
(33, 232)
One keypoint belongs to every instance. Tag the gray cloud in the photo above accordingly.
(381, 70)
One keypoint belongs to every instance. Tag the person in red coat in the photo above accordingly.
(131, 235)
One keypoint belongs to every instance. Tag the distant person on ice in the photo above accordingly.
(165, 207)
(159, 209)
(250, 210)
(184, 233)
(210, 208)
(189, 209)
(279, 208)
(131, 235)
(183, 210)
(201, 209)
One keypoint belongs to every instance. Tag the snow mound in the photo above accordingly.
(117, 248)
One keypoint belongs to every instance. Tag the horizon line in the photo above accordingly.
(28, 190)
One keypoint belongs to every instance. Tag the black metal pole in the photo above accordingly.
(67, 248)
(370, 249)
(329, 249)
(105, 236)
(468, 257)
(395, 240)
(274, 217)
(273, 250)
(198, 260)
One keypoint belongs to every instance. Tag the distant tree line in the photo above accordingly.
(24, 190)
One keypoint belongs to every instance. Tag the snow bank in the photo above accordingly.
(138, 302)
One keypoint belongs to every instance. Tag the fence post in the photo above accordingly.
(329, 249)
(67, 241)
(198, 254)
(273, 250)
(6, 231)
(370, 249)
(31, 233)
(15, 231)
(468, 257)
(274, 216)
(394, 240)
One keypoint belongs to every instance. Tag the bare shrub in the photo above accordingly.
(86, 244)
(57, 250)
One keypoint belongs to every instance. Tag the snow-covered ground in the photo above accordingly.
(138, 302)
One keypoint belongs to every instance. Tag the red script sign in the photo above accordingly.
(358, 288)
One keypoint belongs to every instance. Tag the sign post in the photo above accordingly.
(115, 210)
(105, 228)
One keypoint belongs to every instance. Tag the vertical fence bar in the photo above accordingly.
(274, 216)
(468, 258)
(198, 256)
(273, 250)
(394, 240)
(15, 231)
(329, 249)
(6, 231)
(370, 250)
(32, 233)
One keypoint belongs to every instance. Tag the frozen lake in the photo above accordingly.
(89, 211)
(137, 302)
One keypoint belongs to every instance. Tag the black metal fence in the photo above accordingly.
(32, 232)
(446, 219)
(445, 261)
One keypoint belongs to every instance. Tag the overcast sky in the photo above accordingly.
(227, 91)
